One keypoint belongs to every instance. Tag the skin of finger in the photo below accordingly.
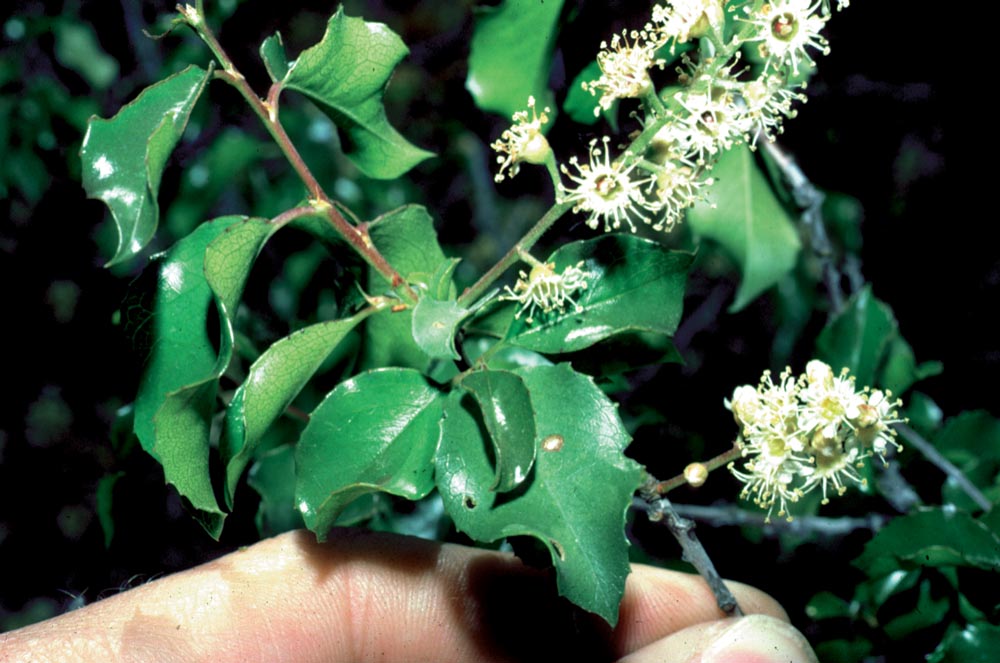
(750, 639)
(363, 597)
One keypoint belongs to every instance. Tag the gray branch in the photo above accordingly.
(660, 510)
(946, 466)
(810, 201)
(733, 516)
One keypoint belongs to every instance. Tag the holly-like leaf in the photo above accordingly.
(932, 537)
(434, 326)
(273, 382)
(744, 217)
(511, 55)
(375, 432)
(633, 285)
(173, 408)
(858, 337)
(124, 157)
(977, 642)
(406, 238)
(272, 52)
(505, 405)
(346, 74)
(574, 501)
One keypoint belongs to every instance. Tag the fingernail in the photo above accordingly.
(760, 639)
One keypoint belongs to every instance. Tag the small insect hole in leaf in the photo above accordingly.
(558, 548)
(469, 502)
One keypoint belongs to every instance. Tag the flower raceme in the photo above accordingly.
(716, 105)
(810, 432)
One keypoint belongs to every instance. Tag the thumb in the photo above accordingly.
(750, 639)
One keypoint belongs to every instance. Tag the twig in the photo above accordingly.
(946, 466)
(896, 490)
(733, 516)
(660, 510)
(810, 200)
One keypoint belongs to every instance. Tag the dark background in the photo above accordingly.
(874, 128)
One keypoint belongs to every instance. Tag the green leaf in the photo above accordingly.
(971, 441)
(272, 52)
(932, 537)
(858, 337)
(434, 326)
(978, 642)
(406, 238)
(124, 157)
(273, 477)
(634, 285)
(78, 49)
(750, 223)
(375, 432)
(511, 55)
(900, 369)
(228, 260)
(505, 405)
(575, 500)
(176, 398)
(273, 382)
(927, 612)
(346, 74)
(104, 498)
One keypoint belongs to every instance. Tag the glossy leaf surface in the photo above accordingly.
(375, 432)
(634, 285)
(346, 73)
(407, 239)
(933, 537)
(749, 222)
(174, 405)
(124, 157)
(505, 405)
(511, 55)
(273, 382)
(435, 324)
(859, 337)
(575, 500)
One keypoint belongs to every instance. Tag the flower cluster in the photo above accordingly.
(716, 105)
(813, 431)
(543, 289)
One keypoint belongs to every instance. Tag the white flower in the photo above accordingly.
(606, 190)
(523, 141)
(543, 289)
(624, 67)
(683, 19)
(678, 187)
(813, 431)
(712, 123)
(785, 28)
(873, 425)
(768, 102)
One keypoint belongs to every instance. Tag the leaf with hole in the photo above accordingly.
(574, 501)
